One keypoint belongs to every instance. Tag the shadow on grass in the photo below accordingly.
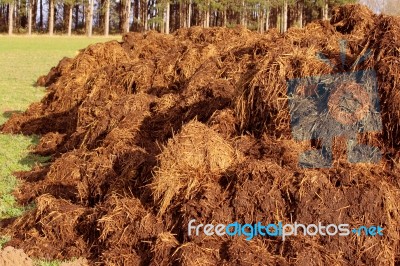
(8, 114)
(10, 207)
(31, 159)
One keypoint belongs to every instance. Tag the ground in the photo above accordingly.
(22, 61)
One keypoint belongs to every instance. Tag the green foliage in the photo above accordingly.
(4, 240)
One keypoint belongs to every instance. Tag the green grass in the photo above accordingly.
(22, 61)
(47, 263)
(14, 156)
(3, 240)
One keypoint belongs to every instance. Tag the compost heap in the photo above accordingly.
(151, 132)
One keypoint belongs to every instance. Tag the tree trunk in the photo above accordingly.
(267, 18)
(136, 15)
(181, 16)
(225, 18)
(300, 10)
(285, 16)
(154, 25)
(167, 17)
(279, 19)
(107, 19)
(145, 17)
(84, 15)
(41, 15)
(51, 17)
(30, 18)
(128, 14)
(259, 15)
(70, 20)
(162, 24)
(325, 10)
(90, 18)
(65, 16)
(207, 18)
(34, 13)
(101, 13)
(17, 18)
(203, 18)
(243, 14)
(189, 13)
(10, 18)
(125, 16)
(76, 17)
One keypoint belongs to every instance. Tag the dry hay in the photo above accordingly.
(354, 19)
(125, 231)
(49, 143)
(163, 248)
(192, 158)
(52, 221)
(245, 253)
(157, 130)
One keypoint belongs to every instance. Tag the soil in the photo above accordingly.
(10, 256)
(151, 132)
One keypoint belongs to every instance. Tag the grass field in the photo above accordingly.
(22, 61)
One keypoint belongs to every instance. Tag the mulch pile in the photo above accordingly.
(151, 132)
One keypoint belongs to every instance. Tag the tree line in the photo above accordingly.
(116, 16)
